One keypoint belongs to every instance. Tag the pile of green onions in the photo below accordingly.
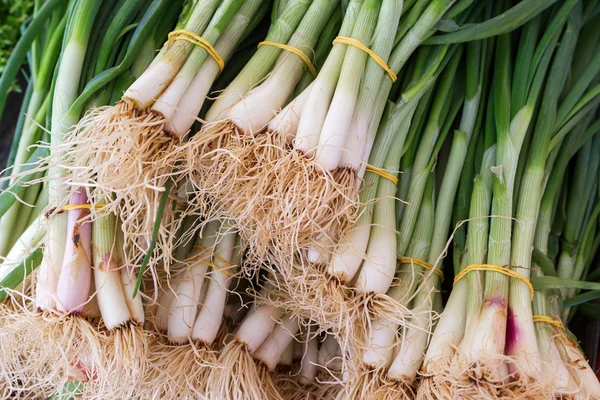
(258, 200)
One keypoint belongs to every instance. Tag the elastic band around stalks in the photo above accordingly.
(191, 37)
(228, 265)
(358, 44)
(294, 50)
(382, 173)
(548, 320)
(424, 264)
(495, 268)
(70, 207)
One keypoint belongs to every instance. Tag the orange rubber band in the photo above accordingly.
(383, 173)
(191, 37)
(495, 268)
(424, 264)
(227, 270)
(358, 44)
(294, 50)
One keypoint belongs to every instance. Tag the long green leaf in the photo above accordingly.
(553, 282)
(157, 221)
(503, 23)
(543, 262)
(581, 299)
(20, 272)
(7, 198)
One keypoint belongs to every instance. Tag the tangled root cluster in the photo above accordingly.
(125, 160)
(45, 353)
(239, 376)
(180, 372)
(312, 295)
(42, 351)
(291, 389)
(373, 384)
(280, 200)
(319, 300)
(455, 378)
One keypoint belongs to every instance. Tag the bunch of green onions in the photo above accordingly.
(289, 179)
(295, 227)
(490, 323)
(70, 294)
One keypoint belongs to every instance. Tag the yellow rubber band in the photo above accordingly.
(495, 268)
(382, 173)
(294, 50)
(191, 37)
(227, 270)
(548, 320)
(374, 56)
(424, 264)
(70, 207)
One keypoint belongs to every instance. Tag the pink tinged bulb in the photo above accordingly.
(512, 331)
(76, 274)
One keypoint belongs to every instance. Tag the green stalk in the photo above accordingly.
(350, 252)
(581, 193)
(523, 342)
(263, 60)
(155, 231)
(352, 76)
(18, 131)
(575, 95)
(550, 198)
(410, 151)
(486, 333)
(322, 49)
(30, 198)
(65, 92)
(120, 18)
(366, 103)
(36, 46)
(400, 55)
(586, 248)
(424, 154)
(542, 261)
(171, 95)
(104, 18)
(581, 299)
(501, 24)
(18, 274)
(410, 18)
(477, 89)
(145, 28)
(379, 266)
(553, 282)
(411, 275)
(478, 229)
(40, 204)
(39, 105)
(462, 204)
(414, 343)
(523, 64)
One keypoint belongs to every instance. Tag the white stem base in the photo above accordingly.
(271, 350)
(380, 351)
(111, 299)
(350, 253)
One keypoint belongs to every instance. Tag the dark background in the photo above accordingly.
(7, 125)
